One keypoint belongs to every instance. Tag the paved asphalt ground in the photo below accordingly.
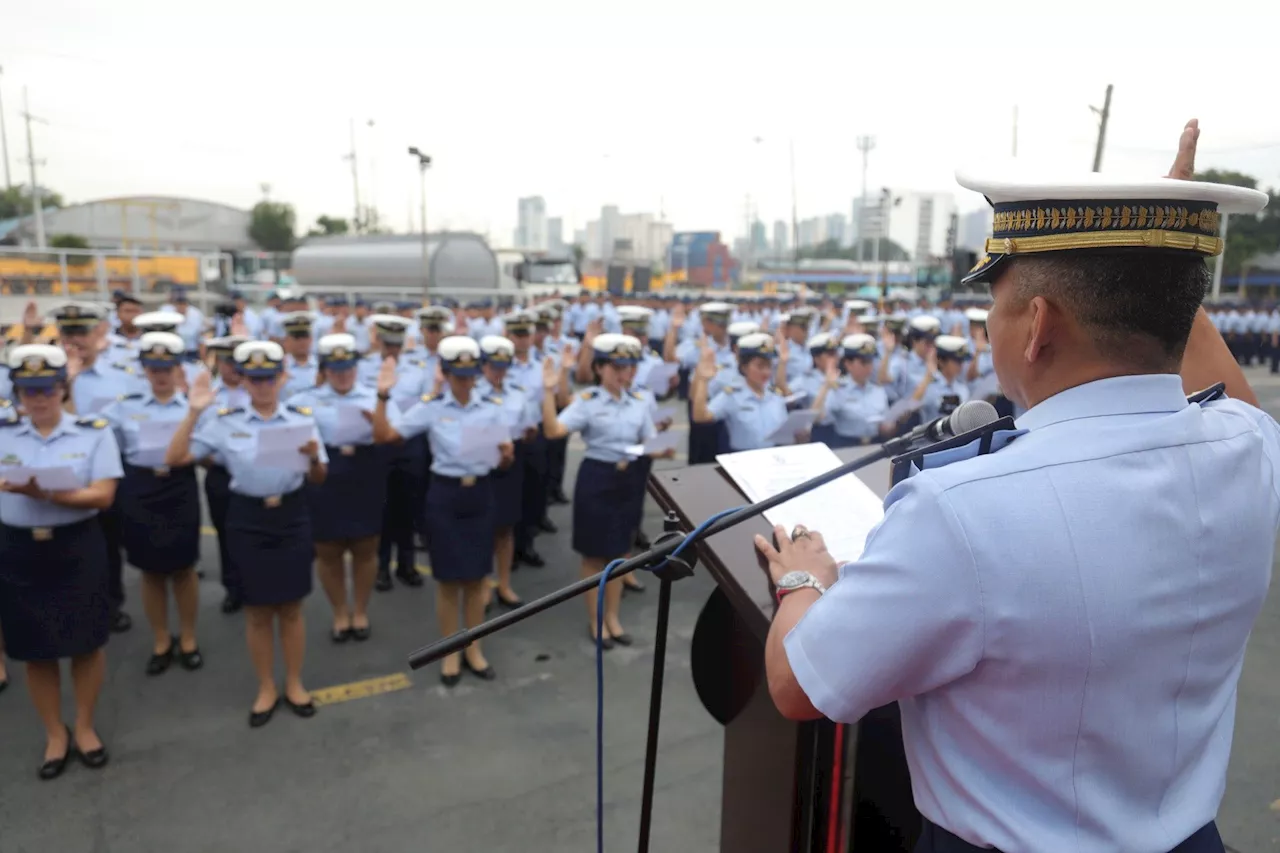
(395, 762)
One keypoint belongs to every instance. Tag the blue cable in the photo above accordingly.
(604, 581)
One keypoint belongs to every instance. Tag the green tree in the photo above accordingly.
(273, 226)
(578, 254)
(329, 226)
(72, 241)
(16, 201)
(1247, 236)
(832, 250)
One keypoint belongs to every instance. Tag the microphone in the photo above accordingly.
(967, 417)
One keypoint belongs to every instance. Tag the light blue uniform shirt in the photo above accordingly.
(224, 398)
(750, 417)
(324, 403)
(516, 404)
(856, 411)
(97, 387)
(799, 361)
(6, 384)
(942, 397)
(688, 354)
(85, 445)
(191, 326)
(412, 378)
(233, 436)
(659, 322)
(128, 415)
(302, 376)
(444, 420)
(608, 424)
(528, 375)
(1064, 622)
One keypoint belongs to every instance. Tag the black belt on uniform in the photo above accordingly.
(465, 482)
(271, 501)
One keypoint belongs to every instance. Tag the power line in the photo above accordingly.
(1104, 115)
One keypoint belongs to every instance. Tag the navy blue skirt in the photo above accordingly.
(641, 468)
(605, 509)
(348, 504)
(160, 518)
(508, 491)
(460, 525)
(935, 839)
(271, 547)
(54, 601)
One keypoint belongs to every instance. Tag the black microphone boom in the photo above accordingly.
(662, 550)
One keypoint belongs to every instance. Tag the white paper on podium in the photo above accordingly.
(153, 442)
(844, 511)
(60, 479)
(278, 448)
(659, 379)
(480, 444)
(660, 442)
(986, 387)
(351, 427)
(801, 420)
(901, 409)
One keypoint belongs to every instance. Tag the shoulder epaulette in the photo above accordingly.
(427, 398)
(635, 395)
(10, 421)
(93, 422)
(300, 410)
(124, 397)
(515, 386)
(120, 365)
(492, 398)
(222, 413)
(417, 362)
(587, 394)
(732, 389)
(5, 404)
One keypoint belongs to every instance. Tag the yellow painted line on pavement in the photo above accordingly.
(361, 689)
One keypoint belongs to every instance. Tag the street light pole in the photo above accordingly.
(424, 163)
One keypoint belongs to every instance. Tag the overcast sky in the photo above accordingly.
(650, 106)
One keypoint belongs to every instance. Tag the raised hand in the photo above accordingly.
(75, 363)
(980, 339)
(832, 376)
(678, 316)
(550, 374)
(31, 315)
(387, 376)
(889, 340)
(200, 396)
(1184, 162)
(568, 359)
(707, 367)
(931, 361)
(238, 325)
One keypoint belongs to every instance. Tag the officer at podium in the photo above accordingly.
(1063, 621)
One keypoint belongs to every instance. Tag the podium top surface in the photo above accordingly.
(698, 492)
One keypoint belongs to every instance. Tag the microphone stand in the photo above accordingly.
(668, 569)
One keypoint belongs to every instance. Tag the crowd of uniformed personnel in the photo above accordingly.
(1252, 331)
(442, 427)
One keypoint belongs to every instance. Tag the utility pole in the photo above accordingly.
(372, 218)
(1216, 293)
(36, 201)
(424, 163)
(4, 145)
(355, 179)
(865, 144)
(1103, 115)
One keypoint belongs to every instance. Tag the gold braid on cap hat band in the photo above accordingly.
(1209, 246)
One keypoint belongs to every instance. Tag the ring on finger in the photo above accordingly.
(799, 532)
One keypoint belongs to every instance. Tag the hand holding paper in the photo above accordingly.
(799, 421)
(278, 448)
(660, 443)
(61, 479)
(481, 444)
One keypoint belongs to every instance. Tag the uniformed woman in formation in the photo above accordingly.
(612, 419)
(750, 408)
(853, 408)
(946, 389)
(53, 556)
(460, 512)
(160, 505)
(824, 349)
(229, 392)
(268, 517)
(496, 355)
(346, 509)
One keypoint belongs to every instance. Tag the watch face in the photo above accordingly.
(791, 580)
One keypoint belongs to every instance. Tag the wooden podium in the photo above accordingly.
(816, 787)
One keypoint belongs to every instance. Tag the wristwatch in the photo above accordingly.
(792, 581)
(384, 396)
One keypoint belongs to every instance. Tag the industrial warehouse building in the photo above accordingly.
(145, 223)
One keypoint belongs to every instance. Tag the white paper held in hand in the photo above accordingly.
(278, 448)
(351, 427)
(801, 420)
(153, 442)
(660, 442)
(480, 444)
(844, 511)
(659, 379)
(60, 479)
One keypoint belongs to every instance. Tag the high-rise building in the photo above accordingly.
(531, 224)
(837, 229)
(647, 237)
(781, 239)
(555, 236)
(975, 228)
(759, 240)
(917, 222)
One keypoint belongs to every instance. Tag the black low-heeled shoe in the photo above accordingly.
(121, 622)
(94, 759)
(509, 604)
(486, 674)
(54, 767)
(606, 643)
(450, 680)
(232, 604)
(192, 660)
(158, 664)
(362, 634)
(383, 582)
(637, 586)
(623, 639)
(4, 685)
(305, 710)
(340, 636)
(258, 719)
